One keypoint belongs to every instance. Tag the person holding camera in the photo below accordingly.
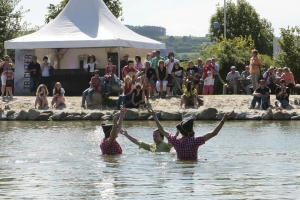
(282, 95)
(41, 96)
(261, 95)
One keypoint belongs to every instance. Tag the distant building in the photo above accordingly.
(276, 47)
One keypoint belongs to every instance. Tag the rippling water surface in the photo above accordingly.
(247, 160)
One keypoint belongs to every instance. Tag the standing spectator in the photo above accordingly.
(127, 92)
(110, 72)
(156, 59)
(208, 84)
(270, 77)
(191, 73)
(41, 96)
(200, 68)
(95, 81)
(138, 97)
(288, 77)
(46, 69)
(177, 74)
(282, 95)
(90, 66)
(58, 95)
(246, 83)
(150, 74)
(34, 69)
(255, 65)
(139, 64)
(208, 67)
(124, 62)
(147, 59)
(262, 96)
(162, 76)
(9, 81)
(232, 81)
(170, 64)
(190, 95)
(129, 70)
(216, 74)
(5, 66)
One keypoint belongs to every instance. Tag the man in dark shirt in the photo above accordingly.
(34, 70)
(282, 95)
(150, 74)
(261, 95)
(124, 62)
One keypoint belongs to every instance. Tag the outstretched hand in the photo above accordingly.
(151, 112)
(123, 132)
(228, 115)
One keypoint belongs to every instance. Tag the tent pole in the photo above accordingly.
(119, 62)
(5, 52)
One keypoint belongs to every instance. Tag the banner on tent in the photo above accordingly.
(23, 58)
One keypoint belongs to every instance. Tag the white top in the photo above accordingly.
(92, 66)
(45, 72)
(217, 68)
(170, 67)
(209, 80)
(62, 91)
(144, 63)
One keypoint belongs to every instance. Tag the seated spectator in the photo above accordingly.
(246, 83)
(282, 95)
(147, 59)
(189, 96)
(138, 97)
(162, 76)
(208, 84)
(9, 81)
(58, 95)
(262, 96)
(144, 82)
(151, 75)
(139, 64)
(279, 72)
(177, 74)
(170, 65)
(191, 73)
(127, 92)
(269, 77)
(231, 79)
(41, 96)
(129, 70)
(110, 72)
(158, 146)
(288, 77)
(94, 83)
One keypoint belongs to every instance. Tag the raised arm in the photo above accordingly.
(132, 139)
(113, 133)
(158, 124)
(120, 122)
(218, 128)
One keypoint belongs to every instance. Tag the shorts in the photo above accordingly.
(9, 83)
(152, 81)
(3, 80)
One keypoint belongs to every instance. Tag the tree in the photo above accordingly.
(115, 6)
(243, 20)
(10, 22)
(171, 39)
(289, 42)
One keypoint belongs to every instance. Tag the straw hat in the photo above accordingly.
(139, 84)
(128, 78)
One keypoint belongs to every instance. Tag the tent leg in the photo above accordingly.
(119, 62)
(5, 52)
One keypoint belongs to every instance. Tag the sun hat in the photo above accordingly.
(186, 127)
(139, 85)
(127, 78)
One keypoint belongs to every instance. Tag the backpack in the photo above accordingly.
(90, 67)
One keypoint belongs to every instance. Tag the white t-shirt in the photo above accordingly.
(209, 80)
(62, 91)
(170, 67)
(45, 72)
(92, 66)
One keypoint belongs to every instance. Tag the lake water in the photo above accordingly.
(62, 160)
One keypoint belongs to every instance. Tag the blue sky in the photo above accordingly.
(188, 17)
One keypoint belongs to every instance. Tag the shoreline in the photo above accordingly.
(22, 109)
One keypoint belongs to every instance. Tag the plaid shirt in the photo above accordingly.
(110, 150)
(186, 149)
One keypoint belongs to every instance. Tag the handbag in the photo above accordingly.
(100, 88)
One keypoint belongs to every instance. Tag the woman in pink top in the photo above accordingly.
(288, 77)
(109, 76)
(109, 145)
(5, 66)
(187, 146)
(9, 81)
(139, 64)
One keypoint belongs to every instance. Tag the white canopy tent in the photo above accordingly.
(82, 24)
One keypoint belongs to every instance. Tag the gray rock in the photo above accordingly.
(188, 115)
(248, 115)
(3, 116)
(58, 116)
(207, 114)
(170, 116)
(12, 116)
(295, 118)
(97, 98)
(33, 114)
(158, 115)
(22, 115)
(48, 111)
(143, 116)
(44, 117)
(10, 112)
(69, 117)
(96, 115)
(220, 116)
(87, 117)
(268, 115)
(282, 116)
(77, 117)
(131, 114)
(106, 117)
